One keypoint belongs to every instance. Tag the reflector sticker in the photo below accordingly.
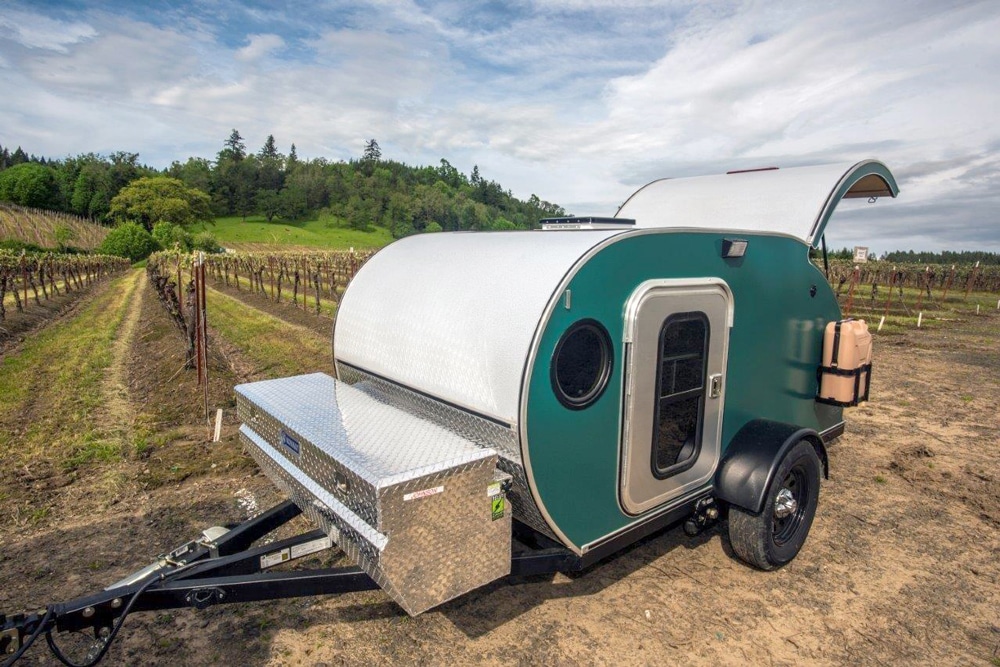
(423, 494)
(289, 442)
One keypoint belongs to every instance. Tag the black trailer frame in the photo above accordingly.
(229, 569)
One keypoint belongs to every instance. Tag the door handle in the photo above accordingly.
(715, 385)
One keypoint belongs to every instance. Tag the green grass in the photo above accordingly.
(324, 233)
(276, 347)
(902, 318)
(51, 392)
(56, 377)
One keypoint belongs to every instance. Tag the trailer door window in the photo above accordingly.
(680, 400)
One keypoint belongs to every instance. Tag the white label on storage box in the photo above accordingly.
(423, 494)
(493, 489)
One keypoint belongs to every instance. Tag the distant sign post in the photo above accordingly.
(860, 254)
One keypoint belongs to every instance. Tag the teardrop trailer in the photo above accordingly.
(533, 402)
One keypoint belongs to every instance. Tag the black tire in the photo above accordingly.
(769, 540)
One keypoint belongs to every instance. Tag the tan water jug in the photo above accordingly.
(845, 375)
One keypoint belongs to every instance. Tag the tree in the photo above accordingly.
(269, 174)
(269, 151)
(64, 234)
(268, 203)
(169, 235)
(92, 190)
(151, 200)
(293, 202)
(196, 173)
(129, 240)
(234, 146)
(206, 242)
(372, 152)
(28, 184)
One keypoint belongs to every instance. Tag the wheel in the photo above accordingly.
(772, 538)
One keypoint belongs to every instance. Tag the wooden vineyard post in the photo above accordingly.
(850, 291)
(315, 277)
(925, 283)
(281, 272)
(202, 307)
(180, 297)
(888, 300)
(968, 285)
(305, 285)
(947, 286)
(270, 265)
(24, 279)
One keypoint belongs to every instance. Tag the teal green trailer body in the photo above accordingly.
(774, 346)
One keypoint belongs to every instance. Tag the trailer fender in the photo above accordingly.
(754, 455)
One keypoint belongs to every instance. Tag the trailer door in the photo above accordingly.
(676, 337)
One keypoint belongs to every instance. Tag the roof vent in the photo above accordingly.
(587, 222)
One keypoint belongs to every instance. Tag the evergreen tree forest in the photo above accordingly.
(370, 190)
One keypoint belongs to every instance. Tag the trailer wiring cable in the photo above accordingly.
(48, 620)
(107, 641)
(31, 639)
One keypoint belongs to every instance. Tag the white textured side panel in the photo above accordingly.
(453, 314)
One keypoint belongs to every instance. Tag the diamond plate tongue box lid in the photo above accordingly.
(420, 508)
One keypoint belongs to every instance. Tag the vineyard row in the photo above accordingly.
(311, 281)
(925, 277)
(48, 275)
(315, 281)
(48, 228)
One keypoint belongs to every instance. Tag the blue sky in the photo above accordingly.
(577, 101)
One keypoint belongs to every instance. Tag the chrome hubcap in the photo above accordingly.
(785, 504)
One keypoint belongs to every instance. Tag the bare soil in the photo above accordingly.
(902, 566)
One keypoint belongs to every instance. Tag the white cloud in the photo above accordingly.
(39, 32)
(578, 101)
(260, 46)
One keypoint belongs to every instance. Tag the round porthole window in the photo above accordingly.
(581, 364)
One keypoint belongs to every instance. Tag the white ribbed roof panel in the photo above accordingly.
(796, 201)
(453, 314)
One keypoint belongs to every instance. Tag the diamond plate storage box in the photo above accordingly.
(420, 508)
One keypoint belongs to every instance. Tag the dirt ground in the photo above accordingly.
(902, 566)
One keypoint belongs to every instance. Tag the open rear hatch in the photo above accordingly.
(420, 508)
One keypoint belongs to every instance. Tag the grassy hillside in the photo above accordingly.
(323, 233)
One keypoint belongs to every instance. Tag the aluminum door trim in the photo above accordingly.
(639, 490)
(632, 305)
